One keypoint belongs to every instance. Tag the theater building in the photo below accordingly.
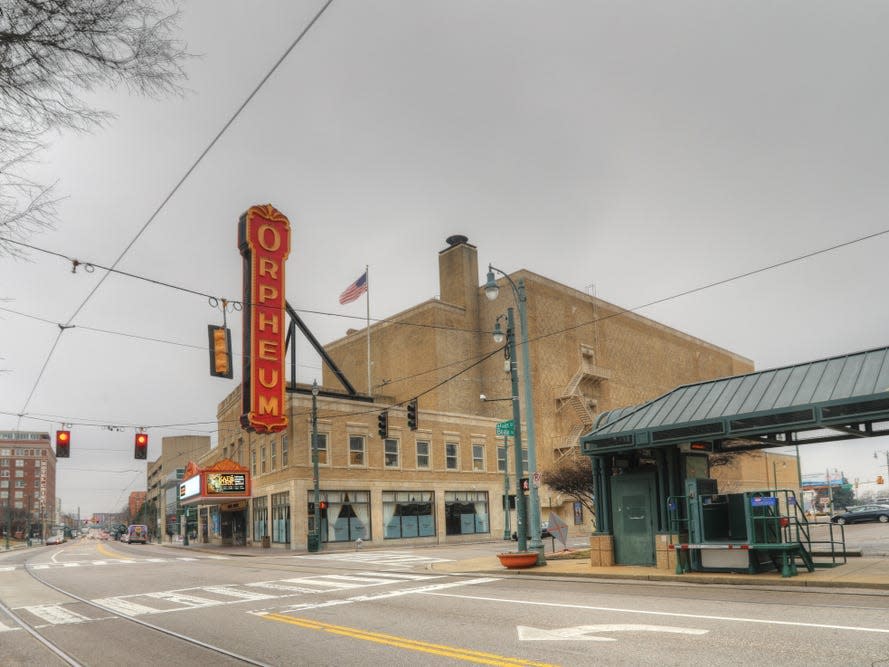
(444, 481)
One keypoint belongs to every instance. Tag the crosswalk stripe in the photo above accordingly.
(126, 607)
(410, 576)
(368, 580)
(324, 582)
(56, 614)
(6, 628)
(182, 598)
(237, 593)
(276, 586)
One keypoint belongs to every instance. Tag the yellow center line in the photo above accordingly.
(468, 655)
(105, 551)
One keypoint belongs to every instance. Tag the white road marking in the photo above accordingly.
(582, 632)
(378, 557)
(56, 614)
(183, 599)
(237, 593)
(391, 594)
(645, 612)
(126, 607)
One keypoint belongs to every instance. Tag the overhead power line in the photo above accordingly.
(173, 191)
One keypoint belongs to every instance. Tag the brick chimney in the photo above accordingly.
(458, 274)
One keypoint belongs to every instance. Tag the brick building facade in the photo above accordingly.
(27, 480)
(444, 482)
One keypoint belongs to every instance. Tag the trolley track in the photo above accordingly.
(66, 656)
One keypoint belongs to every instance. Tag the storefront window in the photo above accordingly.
(345, 515)
(281, 518)
(260, 517)
(466, 512)
(408, 514)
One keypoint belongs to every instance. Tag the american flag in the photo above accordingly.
(354, 290)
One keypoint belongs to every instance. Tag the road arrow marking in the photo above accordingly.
(582, 632)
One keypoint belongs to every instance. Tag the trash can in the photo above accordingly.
(266, 542)
(314, 542)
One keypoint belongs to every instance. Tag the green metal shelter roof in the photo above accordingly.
(830, 399)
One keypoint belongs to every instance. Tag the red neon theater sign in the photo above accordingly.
(264, 241)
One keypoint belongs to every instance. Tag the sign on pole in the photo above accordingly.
(506, 428)
(558, 528)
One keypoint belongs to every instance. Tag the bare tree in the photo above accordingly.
(572, 476)
(51, 53)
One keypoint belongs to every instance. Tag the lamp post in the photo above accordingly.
(492, 290)
(315, 534)
(498, 337)
(506, 521)
(521, 514)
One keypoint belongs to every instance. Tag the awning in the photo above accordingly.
(837, 398)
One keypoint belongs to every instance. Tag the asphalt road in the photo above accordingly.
(385, 607)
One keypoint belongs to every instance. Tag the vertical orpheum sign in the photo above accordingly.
(264, 241)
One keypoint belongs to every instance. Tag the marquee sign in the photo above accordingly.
(224, 482)
(264, 241)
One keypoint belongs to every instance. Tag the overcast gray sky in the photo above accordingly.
(644, 148)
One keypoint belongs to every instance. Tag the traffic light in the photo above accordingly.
(63, 444)
(412, 415)
(879, 478)
(220, 351)
(524, 485)
(383, 424)
(141, 446)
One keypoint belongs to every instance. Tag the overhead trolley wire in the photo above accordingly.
(172, 192)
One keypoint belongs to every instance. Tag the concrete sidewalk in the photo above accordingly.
(868, 573)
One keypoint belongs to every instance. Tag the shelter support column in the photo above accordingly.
(601, 541)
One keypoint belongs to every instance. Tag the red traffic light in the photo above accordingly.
(63, 444)
(141, 449)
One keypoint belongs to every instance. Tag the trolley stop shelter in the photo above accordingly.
(656, 502)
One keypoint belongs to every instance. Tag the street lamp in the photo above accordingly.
(521, 513)
(314, 543)
(492, 290)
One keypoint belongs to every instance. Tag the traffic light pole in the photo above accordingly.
(521, 515)
(315, 536)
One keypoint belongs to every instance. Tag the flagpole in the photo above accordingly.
(367, 299)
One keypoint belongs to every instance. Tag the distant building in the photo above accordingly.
(28, 479)
(137, 499)
(163, 475)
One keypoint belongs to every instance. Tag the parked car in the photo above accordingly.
(863, 513)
